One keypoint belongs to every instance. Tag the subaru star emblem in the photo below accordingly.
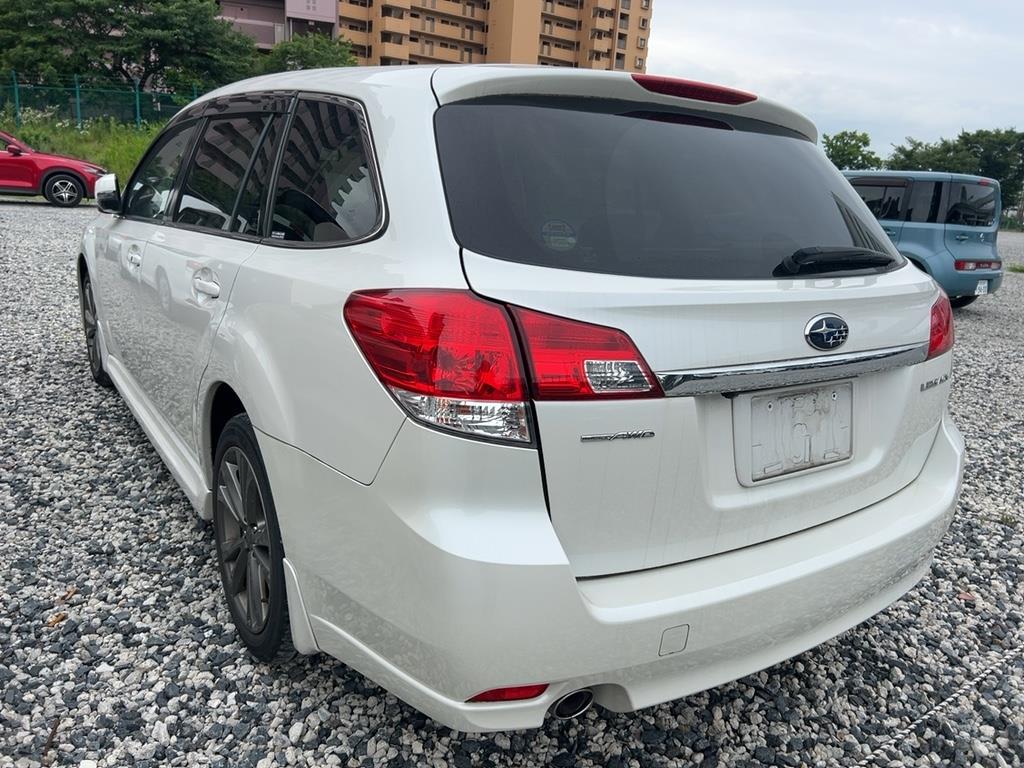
(826, 331)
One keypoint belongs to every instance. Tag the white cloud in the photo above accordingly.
(928, 69)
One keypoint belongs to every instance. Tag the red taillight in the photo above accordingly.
(971, 266)
(570, 360)
(515, 693)
(449, 357)
(691, 89)
(941, 339)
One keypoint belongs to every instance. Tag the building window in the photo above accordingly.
(639, 62)
(643, 22)
(641, 42)
(620, 61)
(624, 21)
(624, 5)
(645, 4)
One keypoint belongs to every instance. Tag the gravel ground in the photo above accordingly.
(116, 647)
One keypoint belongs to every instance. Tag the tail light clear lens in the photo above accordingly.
(449, 357)
(941, 340)
(570, 360)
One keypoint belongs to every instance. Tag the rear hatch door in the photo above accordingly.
(673, 226)
(972, 220)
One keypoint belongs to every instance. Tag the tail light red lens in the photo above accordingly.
(449, 357)
(941, 340)
(691, 89)
(453, 361)
(970, 266)
(515, 693)
(570, 360)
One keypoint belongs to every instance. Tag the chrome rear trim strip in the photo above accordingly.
(785, 373)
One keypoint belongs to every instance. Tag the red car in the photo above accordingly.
(63, 180)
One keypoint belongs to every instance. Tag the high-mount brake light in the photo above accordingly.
(448, 356)
(572, 360)
(692, 89)
(941, 339)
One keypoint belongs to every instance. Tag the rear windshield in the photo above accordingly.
(972, 205)
(603, 186)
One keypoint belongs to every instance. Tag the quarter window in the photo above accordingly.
(972, 205)
(218, 171)
(325, 191)
(151, 187)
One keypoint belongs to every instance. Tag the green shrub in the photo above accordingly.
(106, 142)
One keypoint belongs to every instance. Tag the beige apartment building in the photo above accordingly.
(597, 34)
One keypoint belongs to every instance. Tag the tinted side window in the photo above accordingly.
(972, 205)
(153, 182)
(218, 170)
(249, 216)
(873, 197)
(923, 203)
(891, 202)
(325, 192)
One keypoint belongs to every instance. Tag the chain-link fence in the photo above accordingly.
(79, 100)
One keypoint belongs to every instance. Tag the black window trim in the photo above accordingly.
(200, 114)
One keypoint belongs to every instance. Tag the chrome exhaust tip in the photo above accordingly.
(574, 704)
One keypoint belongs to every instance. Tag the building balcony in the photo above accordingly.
(390, 51)
(450, 8)
(561, 55)
(393, 24)
(350, 10)
(355, 36)
(266, 34)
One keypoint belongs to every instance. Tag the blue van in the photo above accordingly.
(946, 223)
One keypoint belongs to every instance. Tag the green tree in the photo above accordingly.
(850, 151)
(157, 42)
(307, 52)
(997, 154)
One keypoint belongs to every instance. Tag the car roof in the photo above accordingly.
(458, 82)
(920, 176)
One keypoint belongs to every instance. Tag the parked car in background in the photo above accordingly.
(64, 181)
(519, 388)
(945, 223)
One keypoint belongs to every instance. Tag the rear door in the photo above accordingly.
(17, 169)
(972, 219)
(190, 265)
(675, 227)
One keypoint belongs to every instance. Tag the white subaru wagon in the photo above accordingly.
(518, 389)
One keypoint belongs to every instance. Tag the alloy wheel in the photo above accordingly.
(244, 539)
(89, 324)
(64, 190)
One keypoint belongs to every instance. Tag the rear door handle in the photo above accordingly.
(961, 238)
(134, 256)
(890, 232)
(206, 287)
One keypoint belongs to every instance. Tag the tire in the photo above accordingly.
(92, 332)
(962, 301)
(63, 190)
(249, 550)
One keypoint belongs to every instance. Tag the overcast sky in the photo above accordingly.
(921, 68)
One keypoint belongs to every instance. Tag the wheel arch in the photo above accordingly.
(49, 173)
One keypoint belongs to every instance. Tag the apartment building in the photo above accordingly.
(597, 34)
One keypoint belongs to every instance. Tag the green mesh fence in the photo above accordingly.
(78, 100)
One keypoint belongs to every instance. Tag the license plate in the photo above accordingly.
(981, 288)
(796, 430)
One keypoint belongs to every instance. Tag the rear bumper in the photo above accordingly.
(437, 601)
(964, 283)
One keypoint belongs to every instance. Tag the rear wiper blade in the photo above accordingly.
(817, 260)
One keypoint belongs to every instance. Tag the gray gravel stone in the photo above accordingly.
(146, 670)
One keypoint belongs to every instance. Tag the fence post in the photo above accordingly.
(17, 100)
(78, 103)
(138, 106)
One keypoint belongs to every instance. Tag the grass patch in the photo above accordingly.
(105, 142)
(1016, 268)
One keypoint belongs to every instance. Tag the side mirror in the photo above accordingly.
(108, 194)
(13, 150)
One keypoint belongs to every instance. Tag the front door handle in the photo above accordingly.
(134, 256)
(209, 288)
(961, 238)
(890, 232)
